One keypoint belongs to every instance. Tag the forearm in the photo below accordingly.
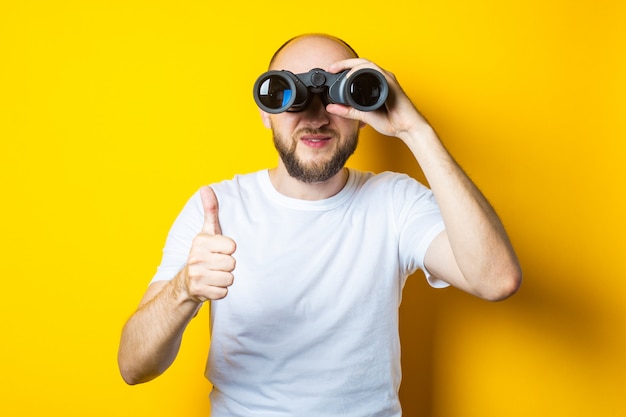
(151, 337)
(477, 238)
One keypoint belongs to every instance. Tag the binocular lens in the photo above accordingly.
(365, 89)
(275, 92)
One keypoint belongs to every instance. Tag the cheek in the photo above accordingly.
(280, 121)
(283, 128)
(350, 127)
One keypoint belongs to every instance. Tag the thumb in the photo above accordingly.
(211, 220)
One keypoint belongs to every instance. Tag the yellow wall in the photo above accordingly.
(113, 113)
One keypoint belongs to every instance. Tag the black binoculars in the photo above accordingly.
(278, 91)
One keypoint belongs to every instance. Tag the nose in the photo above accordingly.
(315, 113)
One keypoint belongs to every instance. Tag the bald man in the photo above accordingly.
(303, 264)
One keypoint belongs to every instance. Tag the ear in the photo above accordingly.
(265, 117)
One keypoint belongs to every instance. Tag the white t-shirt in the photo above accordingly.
(310, 325)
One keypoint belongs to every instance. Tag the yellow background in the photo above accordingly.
(112, 113)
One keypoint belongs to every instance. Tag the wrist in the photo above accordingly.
(418, 135)
(180, 289)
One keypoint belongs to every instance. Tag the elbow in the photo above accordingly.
(504, 284)
(129, 379)
(131, 374)
(128, 375)
(125, 366)
(132, 378)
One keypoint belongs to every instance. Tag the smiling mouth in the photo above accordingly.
(316, 142)
(316, 138)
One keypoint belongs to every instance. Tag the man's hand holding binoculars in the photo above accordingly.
(398, 117)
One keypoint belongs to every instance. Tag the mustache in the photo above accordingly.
(311, 131)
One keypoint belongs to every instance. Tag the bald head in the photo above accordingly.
(304, 52)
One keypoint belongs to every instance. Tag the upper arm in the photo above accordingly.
(439, 261)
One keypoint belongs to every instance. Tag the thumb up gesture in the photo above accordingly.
(208, 272)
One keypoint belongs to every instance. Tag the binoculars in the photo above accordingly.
(278, 91)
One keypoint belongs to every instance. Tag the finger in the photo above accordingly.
(346, 112)
(211, 223)
(346, 64)
(211, 287)
(220, 261)
(208, 293)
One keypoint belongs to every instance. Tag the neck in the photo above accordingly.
(294, 188)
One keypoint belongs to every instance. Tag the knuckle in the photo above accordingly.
(230, 279)
(231, 264)
(217, 293)
(227, 245)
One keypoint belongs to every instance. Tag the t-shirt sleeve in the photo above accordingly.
(419, 222)
(178, 243)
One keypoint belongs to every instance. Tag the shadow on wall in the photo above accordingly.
(553, 316)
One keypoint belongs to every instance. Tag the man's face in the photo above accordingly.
(313, 144)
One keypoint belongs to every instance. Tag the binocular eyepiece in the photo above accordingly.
(278, 91)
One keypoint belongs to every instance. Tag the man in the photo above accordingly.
(305, 322)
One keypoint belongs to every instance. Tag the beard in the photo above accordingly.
(314, 172)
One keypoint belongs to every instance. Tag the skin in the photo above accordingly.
(473, 254)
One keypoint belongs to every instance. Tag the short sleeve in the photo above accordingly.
(178, 243)
(419, 222)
